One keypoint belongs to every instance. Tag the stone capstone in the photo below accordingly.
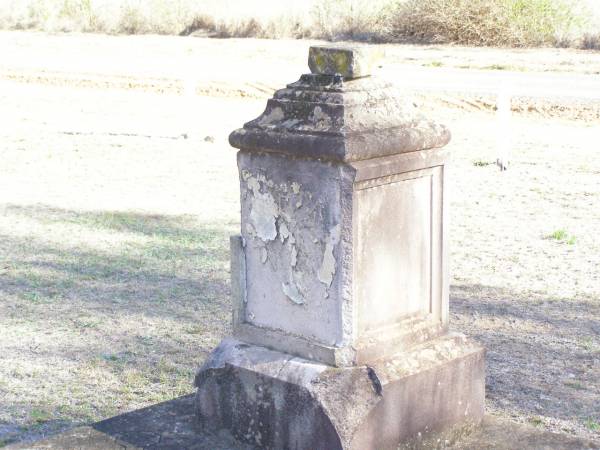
(347, 62)
(321, 116)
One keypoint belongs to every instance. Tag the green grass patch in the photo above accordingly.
(588, 344)
(558, 235)
(575, 385)
(505, 67)
(39, 416)
(561, 235)
(592, 425)
(496, 67)
(536, 421)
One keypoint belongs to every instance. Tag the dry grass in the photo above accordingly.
(219, 17)
(490, 22)
(559, 23)
(105, 309)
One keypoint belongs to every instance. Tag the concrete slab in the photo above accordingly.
(173, 425)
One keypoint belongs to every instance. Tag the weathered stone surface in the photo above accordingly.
(275, 401)
(343, 243)
(344, 263)
(323, 117)
(348, 62)
(296, 216)
(340, 275)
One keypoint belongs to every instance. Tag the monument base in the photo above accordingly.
(277, 401)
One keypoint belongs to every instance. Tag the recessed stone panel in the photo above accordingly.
(393, 265)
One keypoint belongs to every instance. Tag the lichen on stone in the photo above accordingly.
(275, 115)
(321, 120)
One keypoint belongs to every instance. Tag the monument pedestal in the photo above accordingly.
(339, 278)
(277, 401)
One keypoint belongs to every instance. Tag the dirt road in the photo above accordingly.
(255, 67)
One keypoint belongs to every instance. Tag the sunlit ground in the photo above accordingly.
(114, 254)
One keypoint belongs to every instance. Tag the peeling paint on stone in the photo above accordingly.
(253, 185)
(264, 255)
(284, 232)
(264, 211)
(327, 270)
(290, 220)
(263, 217)
(294, 257)
(291, 291)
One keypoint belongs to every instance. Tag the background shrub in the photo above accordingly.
(469, 22)
(487, 22)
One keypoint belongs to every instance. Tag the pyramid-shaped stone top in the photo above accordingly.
(329, 116)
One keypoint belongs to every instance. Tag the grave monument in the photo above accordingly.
(340, 275)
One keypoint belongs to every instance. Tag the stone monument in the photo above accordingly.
(340, 277)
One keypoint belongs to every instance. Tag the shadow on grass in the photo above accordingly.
(170, 425)
(543, 354)
(135, 298)
(177, 258)
(168, 226)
